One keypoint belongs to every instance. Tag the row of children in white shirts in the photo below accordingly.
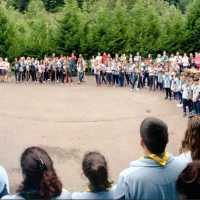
(186, 91)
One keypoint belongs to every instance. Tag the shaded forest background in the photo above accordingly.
(40, 27)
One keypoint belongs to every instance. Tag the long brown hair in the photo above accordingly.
(191, 140)
(188, 182)
(43, 178)
(95, 169)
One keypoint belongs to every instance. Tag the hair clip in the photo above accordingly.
(41, 165)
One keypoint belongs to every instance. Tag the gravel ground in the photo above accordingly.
(68, 121)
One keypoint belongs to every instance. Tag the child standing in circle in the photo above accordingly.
(187, 97)
(95, 169)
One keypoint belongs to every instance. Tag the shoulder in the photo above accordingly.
(95, 195)
(64, 195)
(12, 197)
(186, 156)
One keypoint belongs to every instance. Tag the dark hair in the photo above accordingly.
(188, 182)
(44, 180)
(196, 78)
(154, 133)
(95, 169)
(191, 140)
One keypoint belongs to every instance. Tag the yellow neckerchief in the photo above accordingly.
(90, 188)
(161, 161)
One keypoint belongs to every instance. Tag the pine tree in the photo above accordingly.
(6, 35)
(192, 43)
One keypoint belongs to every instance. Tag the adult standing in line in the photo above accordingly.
(1, 70)
(16, 65)
(73, 59)
(178, 59)
(80, 69)
(164, 58)
(7, 70)
(104, 58)
(155, 174)
(185, 62)
(137, 58)
(99, 57)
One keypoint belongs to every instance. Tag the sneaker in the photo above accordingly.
(44, 82)
(178, 105)
(137, 89)
(57, 81)
(184, 114)
(131, 90)
(79, 82)
(166, 97)
(191, 115)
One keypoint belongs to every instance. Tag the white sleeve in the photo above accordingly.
(4, 185)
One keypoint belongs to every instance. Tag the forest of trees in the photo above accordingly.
(39, 27)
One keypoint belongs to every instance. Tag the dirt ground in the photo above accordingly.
(68, 121)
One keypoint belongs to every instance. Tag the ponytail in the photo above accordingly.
(95, 169)
(50, 185)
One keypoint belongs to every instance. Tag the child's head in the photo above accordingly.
(39, 173)
(188, 182)
(187, 81)
(95, 169)
(196, 80)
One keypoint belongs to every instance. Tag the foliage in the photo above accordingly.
(89, 26)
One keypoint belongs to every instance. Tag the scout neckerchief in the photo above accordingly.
(159, 158)
(195, 89)
(188, 88)
(91, 188)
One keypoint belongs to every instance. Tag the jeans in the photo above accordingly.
(160, 85)
(140, 82)
(134, 80)
(168, 92)
(121, 80)
(16, 75)
(196, 107)
(80, 76)
(151, 82)
(128, 77)
(115, 79)
(109, 77)
(187, 103)
(146, 76)
(102, 77)
(97, 77)
(180, 97)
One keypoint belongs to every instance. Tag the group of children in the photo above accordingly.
(172, 75)
(181, 84)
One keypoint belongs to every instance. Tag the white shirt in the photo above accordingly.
(95, 195)
(99, 58)
(185, 61)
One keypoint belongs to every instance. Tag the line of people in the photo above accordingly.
(156, 175)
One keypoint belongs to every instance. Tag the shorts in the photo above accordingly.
(1, 71)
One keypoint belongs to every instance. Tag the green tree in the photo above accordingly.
(69, 31)
(52, 5)
(192, 43)
(6, 35)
